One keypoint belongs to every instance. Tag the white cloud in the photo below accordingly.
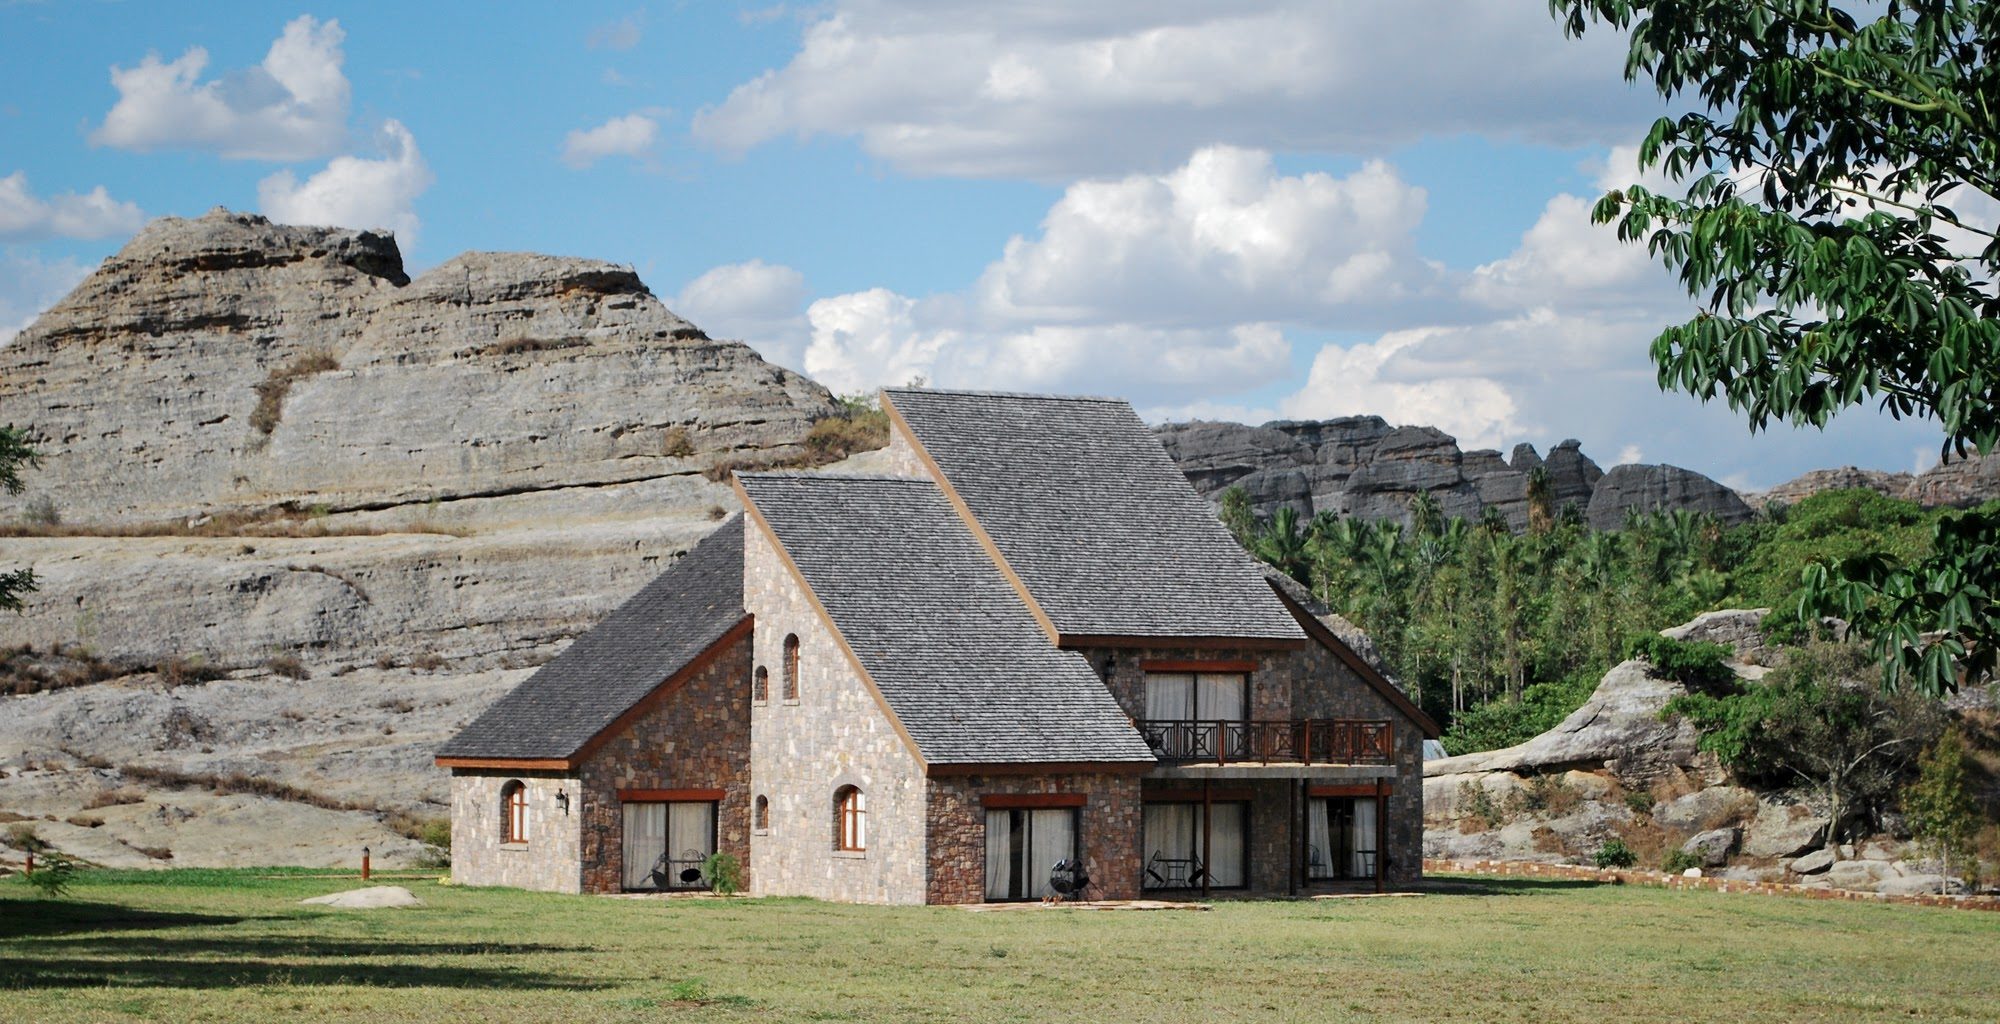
(1067, 90)
(863, 340)
(293, 106)
(355, 192)
(1630, 454)
(29, 285)
(1386, 378)
(622, 34)
(26, 217)
(633, 135)
(1222, 239)
(757, 302)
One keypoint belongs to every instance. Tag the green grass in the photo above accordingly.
(237, 946)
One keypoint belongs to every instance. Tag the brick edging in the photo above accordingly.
(1662, 880)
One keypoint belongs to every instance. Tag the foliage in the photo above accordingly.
(14, 455)
(1817, 229)
(1236, 515)
(724, 874)
(53, 875)
(1615, 854)
(1677, 861)
(1503, 723)
(435, 834)
(21, 836)
(1811, 722)
(859, 425)
(1941, 808)
(1693, 663)
(271, 391)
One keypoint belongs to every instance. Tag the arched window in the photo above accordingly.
(760, 686)
(850, 814)
(514, 812)
(760, 818)
(792, 668)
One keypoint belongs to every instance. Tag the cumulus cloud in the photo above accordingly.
(1223, 238)
(758, 302)
(29, 285)
(356, 192)
(293, 106)
(25, 217)
(863, 340)
(633, 135)
(1068, 90)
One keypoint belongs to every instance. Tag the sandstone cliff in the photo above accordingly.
(267, 452)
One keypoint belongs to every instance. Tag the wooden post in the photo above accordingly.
(1381, 848)
(31, 863)
(364, 863)
(1207, 836)
(1298, 836)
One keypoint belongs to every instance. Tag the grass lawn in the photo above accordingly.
(237, 946)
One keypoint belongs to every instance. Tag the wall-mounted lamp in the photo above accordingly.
(562, 801)
(1110, 665)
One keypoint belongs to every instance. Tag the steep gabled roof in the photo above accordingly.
(664, 628)
(1092, 516)
(944, 638)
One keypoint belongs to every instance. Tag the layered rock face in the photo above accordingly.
(268, 443)
(1362, 467)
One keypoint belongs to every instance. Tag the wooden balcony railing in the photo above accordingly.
(1302, 741)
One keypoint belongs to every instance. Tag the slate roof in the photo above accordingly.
(607, 670)
(947, 640)
(1090, 512)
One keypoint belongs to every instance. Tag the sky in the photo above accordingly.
(1245, 210)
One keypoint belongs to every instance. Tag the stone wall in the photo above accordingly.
(835, 735)
(1270, 683)
(900, 457)
(1327, 688)
(548, 861)
(697, 738)
(1108, 831)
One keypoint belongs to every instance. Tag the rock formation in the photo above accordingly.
(1362, 467)
(272, 453)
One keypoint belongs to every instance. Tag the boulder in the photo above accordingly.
(1845, 478)
(1858, 875)
(1957, 482)
(1573, 477)
(1812, 863)
(1783, 830)
(1918, 885)
(1713, 846)
(1706, 808)
(1648, 488)
(372, 898)
(1618, 729)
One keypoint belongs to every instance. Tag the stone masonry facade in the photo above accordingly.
(1108, 830)
(697, 738)
(548, 861)
(836, 734)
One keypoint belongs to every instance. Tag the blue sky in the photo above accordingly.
(1248, 210)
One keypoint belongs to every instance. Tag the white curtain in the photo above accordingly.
(999, 854)
(1364, 838)
(1219, 697)
(1169, 696)
(1173, 832)
(645, 840)
(1225, 858)
(1319, 833)
(690, 836)
(1051, 837)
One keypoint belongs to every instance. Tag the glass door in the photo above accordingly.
(667, 844)
(1022, 848)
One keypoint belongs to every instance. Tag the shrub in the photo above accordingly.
(676, 444)
(1639, 803)
(1698, 665)
(178, 671)
(859, 426)
(435, 834)
(288, 666)
(1615, 854)
(53, 875)
(271, 391)
(1476, 810)
(115, 798)
(42, 511)
(21, 836)
(1677, 861)
(724, 874)
(427, 662)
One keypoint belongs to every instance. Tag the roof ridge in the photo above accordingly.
(1047, 396)
(806, 474)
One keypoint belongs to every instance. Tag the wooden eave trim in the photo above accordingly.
(667, 688)
(1021, 801)
(1332, 642)
(671, 795)
(1183, 665)
(1041, 768)
(514, 764)
(826, 619)
(1224, 643)
(1387, 789)
(1217, 794)
(896, 422)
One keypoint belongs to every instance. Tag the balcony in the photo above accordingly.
(1308, 741)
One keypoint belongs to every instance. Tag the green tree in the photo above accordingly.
(1237, 516)
(1282, 543)
(1818, 232)
(1940, 807)
(14, 454)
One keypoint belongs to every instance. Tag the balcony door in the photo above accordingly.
(1173, 853)
(1340, 838)
(666, 844)
(1195, 702)
(1023, 846)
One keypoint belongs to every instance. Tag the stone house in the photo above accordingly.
(1026, 651)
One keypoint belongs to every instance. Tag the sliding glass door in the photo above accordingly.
(1340, 838)
(1023, 846)
(1173, 853)
(666, 844)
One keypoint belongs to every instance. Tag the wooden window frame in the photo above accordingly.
(760, 686)
(514, 813)
(760, 816)
(850, 820)
(1017, 855)
(791, 693)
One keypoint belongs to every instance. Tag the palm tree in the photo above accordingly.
(1282, 544)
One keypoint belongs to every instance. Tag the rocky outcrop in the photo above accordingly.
(1360, 466)
(226, 364)
(1954, 482)
(1845, 478)
(273, 453)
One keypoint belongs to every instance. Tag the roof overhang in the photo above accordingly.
(1368, 673)
(1040, 768)
(1190, 643)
